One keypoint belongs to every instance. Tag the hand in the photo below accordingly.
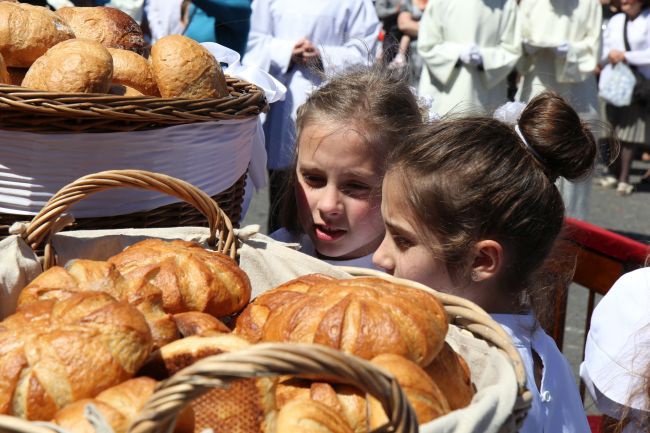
(471, 56)
(311, 54)
(298, 50)
(562, 49)
(529, 48)
(616, 56)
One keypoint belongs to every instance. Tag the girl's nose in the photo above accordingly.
(383, 258)
(330, 201)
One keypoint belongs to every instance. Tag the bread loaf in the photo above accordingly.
(27, 32)
(119, 405)
(133, 71)
(423, 394)
(89, 275)
(76, 65)
(183, 68)
(362, 316)
(189, 277)
(5, 78)
(451, 373)
(109, 26)
(55, 352)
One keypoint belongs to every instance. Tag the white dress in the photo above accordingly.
(446, 29)
(550, 23)
(307, 247)
(556, 407)
(346, 33)
(617, 354)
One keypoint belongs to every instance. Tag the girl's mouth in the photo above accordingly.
(326, 233)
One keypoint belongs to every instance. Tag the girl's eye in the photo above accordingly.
(402, 242)
(313, 180)
(356, 189)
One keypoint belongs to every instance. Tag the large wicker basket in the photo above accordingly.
(41, 112)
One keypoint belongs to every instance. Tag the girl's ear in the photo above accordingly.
(488, 260)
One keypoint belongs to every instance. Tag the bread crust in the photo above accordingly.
(183, 68)
(451, 373)
(133, 71)
(109, 26)
(27, 32)
(72, 66)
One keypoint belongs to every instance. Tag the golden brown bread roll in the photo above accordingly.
(362, 316)
(189, 277)
(133, 71)
(195, 323)
(425, 397)
(27, 32)
(451, 373)
(309, 416)
(184, 69)
(55, 352)
(75, 65)
(90, 275)
(109, 26)
(119, 405)
(5, 78)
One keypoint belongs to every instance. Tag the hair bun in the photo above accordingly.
(554, 130)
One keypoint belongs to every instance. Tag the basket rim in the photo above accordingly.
(467, 315)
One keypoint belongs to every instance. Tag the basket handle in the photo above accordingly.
(43, 225)
(274, 359)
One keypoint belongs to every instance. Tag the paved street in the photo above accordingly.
(629, 216)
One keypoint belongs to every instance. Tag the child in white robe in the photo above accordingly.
(471, 208)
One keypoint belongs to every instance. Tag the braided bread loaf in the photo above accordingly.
(56, 352)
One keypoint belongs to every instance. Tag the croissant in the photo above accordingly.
(55, 352)
(362, 316)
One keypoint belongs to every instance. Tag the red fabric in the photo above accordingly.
(595, 423)
(606, 242)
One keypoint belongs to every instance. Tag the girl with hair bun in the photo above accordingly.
(471, 208)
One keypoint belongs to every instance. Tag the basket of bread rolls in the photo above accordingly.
(84, 69)
(83, 79)
(163, 336)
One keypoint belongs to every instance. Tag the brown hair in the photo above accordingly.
(473, 178)
(376, 100)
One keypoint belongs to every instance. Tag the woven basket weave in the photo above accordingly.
(38, 233)
(262, 360)
(23, 109)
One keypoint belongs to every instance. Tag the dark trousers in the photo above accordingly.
(277, 189)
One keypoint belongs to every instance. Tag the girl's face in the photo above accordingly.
(402, 252)
(338, 191)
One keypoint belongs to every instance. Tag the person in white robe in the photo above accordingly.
(468, 48)
(292, 39)
(561, 40)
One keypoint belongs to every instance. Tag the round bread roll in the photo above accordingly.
(425, 396)
(4, 73)
(133, 71)
(451, 373)
(73, 66)
(27, 32)
(184, 69)
(109, 26)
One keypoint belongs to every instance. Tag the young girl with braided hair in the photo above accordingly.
(471, 208)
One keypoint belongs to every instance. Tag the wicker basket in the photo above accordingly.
(260, 360)
(38, 233)
(23, 109)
